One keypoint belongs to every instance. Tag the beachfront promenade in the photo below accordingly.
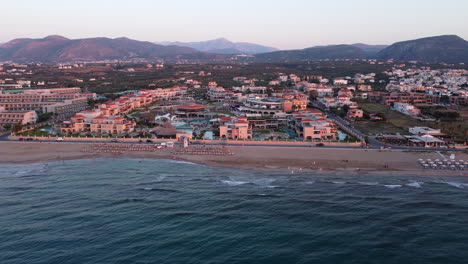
(246, 143)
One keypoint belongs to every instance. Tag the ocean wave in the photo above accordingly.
(457, 184)
(393, 186)
(429, 204)
(234, 183)
(158, 189)
(369, 183)
(264, 182)
(182, 162)
(263, 195)
(25, 170)
(157, 180)
(129, 200)
(22, 172)
(261, 182)
(19, 188)
(339, 182)
(415, 184)
(188, 213)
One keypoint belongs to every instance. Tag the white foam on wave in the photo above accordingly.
(263, 181)
(147, 189)
(457, 184)
(414, 184)
(31, 169)
(369, 183)
(234, 183)
(23, 172)
(393, 186)
(338, 182)
(310, 182)
(182, 162)
(160, 178)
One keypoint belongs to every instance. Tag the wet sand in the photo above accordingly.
(287, 159)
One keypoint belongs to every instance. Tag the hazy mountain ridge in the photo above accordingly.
(223, 46)
(313, 53)
(447, 48)
(57, 48)
(370, 50)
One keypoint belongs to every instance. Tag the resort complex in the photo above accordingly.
(378, 109)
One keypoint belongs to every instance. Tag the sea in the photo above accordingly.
(165, 211)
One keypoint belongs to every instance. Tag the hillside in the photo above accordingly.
(370, 50)
(57, 48)
(223, 46)
(448, 48)
(314, 53)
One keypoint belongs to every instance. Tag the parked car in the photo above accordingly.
(59, 139)
(21, 139)
(319, 145)
(149, 141)
(114, 140)
(29, 139)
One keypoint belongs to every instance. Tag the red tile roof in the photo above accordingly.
(225, 118)
(191, 107)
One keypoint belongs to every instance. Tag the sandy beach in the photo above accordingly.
(287, 159)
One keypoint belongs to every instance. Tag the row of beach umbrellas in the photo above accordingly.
(444, 164)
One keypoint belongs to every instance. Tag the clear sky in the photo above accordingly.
(283, 24)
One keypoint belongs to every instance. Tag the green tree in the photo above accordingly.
(345, 108)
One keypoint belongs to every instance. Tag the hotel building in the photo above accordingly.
(237, 128)
(312, 125)
(17, 117)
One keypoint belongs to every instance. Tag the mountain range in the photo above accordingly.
(314, 53)
(370, 50)
(58, 48)
(448, 48)
(223, 46)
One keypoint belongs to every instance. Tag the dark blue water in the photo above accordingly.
(150, 211)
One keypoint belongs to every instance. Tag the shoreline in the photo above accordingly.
(292, 160)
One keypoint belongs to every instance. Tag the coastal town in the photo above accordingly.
(405, 108)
